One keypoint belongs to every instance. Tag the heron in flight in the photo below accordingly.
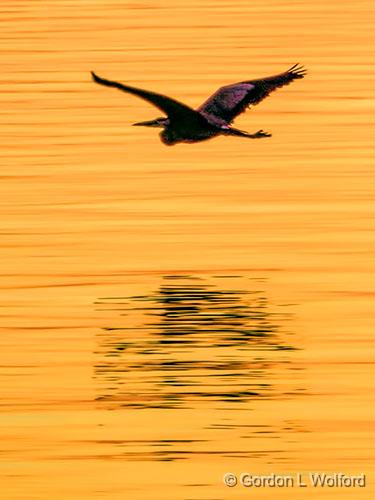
(214, 116)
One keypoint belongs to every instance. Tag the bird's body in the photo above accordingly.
(214, 116)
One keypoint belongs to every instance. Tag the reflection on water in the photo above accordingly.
(89, 201)
(191, 341)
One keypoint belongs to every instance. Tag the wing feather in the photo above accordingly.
(175, 110)
(229, 101)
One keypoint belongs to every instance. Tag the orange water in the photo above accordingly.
(262, 361)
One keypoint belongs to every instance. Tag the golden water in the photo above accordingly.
(172, 314)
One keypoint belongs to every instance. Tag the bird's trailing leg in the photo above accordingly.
(258, 135)
(241, 133)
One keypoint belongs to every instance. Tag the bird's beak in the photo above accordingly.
(150, 123)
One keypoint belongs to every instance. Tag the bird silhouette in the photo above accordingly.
(214, 116)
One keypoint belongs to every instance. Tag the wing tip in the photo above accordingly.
(297, 70)
(94, 76)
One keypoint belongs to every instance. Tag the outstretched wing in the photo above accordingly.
(176, 111)
(231, 100)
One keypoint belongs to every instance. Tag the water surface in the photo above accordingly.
(172, 314)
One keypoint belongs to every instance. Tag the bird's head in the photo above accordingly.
(158, 122)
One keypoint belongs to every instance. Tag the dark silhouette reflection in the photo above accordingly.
(190, 342)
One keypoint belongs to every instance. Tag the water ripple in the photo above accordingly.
(189, 342)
